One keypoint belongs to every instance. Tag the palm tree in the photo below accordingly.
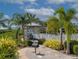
(65, 21)
(23, 20)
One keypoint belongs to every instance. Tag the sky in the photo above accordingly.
(42, 8)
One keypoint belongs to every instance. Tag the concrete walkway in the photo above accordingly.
(43, 53)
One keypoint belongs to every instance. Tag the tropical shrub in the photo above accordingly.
(24, 43)
(8, 48)
(54, 44)
(75, 49)
(72, 43)
(41, 41)
(8, 33)
(29, 42)
(21, 43)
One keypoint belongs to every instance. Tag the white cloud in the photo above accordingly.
(17, 1)
(70, 0)
(31, 0)
(55, 1)
(60, 1)
(75, 6)
(41, 11)
(6, 17)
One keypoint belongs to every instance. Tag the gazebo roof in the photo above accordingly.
(34, 24)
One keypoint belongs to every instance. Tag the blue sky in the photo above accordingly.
(42, 8)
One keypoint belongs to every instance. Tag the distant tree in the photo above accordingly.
(24, 19)
(53, 25)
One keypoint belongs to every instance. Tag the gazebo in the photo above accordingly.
(33, 28)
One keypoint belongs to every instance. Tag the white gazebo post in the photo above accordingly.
(46, 30)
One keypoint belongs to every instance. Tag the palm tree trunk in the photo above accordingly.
(17, 33)
(68, 48)
(68, 43)
(23, 28)
(61, 33)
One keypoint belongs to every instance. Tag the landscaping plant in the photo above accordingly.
(8, 49)
(75, 49)
(41, 41)
(21, 43)
(52, 43)
(72, 43)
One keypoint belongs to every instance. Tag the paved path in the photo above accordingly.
(45, 53)
(22, 53)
